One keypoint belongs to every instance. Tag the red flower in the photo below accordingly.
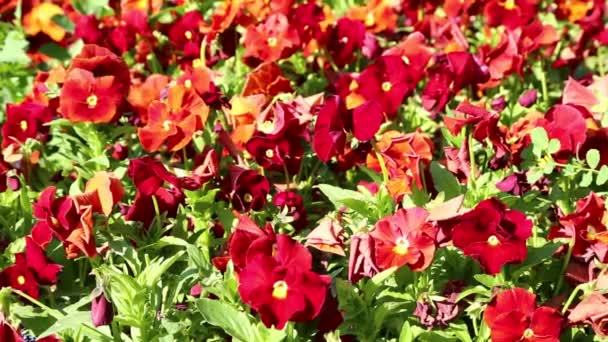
(25, 121)
(102, 192)
(149, 175)
(185, 35)
(387, 82)
(345, 38)
(44, 271)
(512, 316)
(248, 189)
(270, 41)
(282, 287)
(587, 227)
(493, 235)
(404, 238)
(7, 332)
(86, 98)
(510, 13)
(330, 138)
(102, 62)
(102, 311)
(292, 204)
(248, 240)
(20, 277)
(566, 123)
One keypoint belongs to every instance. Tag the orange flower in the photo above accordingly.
(86, 98)
(270, 41)
(141, 95)
(266, 79)
(40, 19)
(377, 15)
(174, 121)
(244, 112)
(402, 154)
(222, 18)
(101, 193)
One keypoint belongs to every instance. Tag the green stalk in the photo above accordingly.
(562, 273)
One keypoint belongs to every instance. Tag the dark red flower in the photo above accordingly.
(330, 137)
(510, 13)
(185, 34)
(528, 98)
(292, 204)
(43, 269)
(20, 277)
(25, 121)
(345, 39)
(493, 235)
(566, 123)
(404, 238)
(282, 287)
(7, 332)
(149, 174)
(102, 311)
(512, 316)
(248, 189)
(102, 62)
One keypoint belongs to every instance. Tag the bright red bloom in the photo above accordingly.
(102, 62)
(248, 240)
(345, 39)
(7, 332)
(510, 13)
(185, 34)
(141, 95)
(25, 121)
(20, 277)
(387, 82)
(329, 138)
(270, 41)
(566, 123)
(149, 174)
(493, 235)
(102, 311)
(43, 269)
(512, 316)
(86, 98)
(173, 122)
(587, 226)
(281, 287)
(404, 238)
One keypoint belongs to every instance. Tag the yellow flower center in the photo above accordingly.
(188, 84)
(279, 289)
(509, 5)
(167, 125)
(269, 153)
(266, 127)
(405, 60)
(23, 125)
(493, 241)
(369, 19)
(248, 198)
(92, 101)
(197, 63)
(272, 41)
(528, 333)
(401, 246)
(386, 86)
(21, 280)
(353, 85)
(54, 221)
(188, 35)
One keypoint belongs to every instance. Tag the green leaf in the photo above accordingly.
(586, 180)
(534, 175)
(539, 138)
(486, 280)
(602, 176)
(445, 181)
(353, 200)
(64, 22)
(234, 322)
(554, 146)
(593, 158)
(13, 49)
(536, 255)
(406, 335)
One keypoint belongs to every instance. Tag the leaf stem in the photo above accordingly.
(562, 273)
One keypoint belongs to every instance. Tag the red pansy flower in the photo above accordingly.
(7, 332)
(345, 39)
(292, 204)
(330, 137)
(102, 62)
(248, 189)
(185, 35)
(566, 123)
(510, 13)
(248, 240)
(361, 259)
(493, 235)
(36, 260)
(270, 41)
(512, 316)
(404, 238)
(25, 121)
(587, 226)
(282, 287)
(20, 277)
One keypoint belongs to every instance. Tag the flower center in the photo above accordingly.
(269, 154)
(344, 40)
(279, 289)
(405, 60)
(401, 246)
(353, 85)
(188, 84)
(92, 101)
(509, 5)
(369, 19)
(20, 280)
(23, 125)
(54, 221)
(528, 333)
(272, 41)
(188, 35)
(386, 86)
(266, 127)
(197, 63)
(493, 241)
(248, 198)
(167, 125)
